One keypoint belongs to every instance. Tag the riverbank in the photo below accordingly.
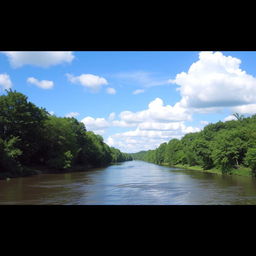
(35, 170)
(242, 171)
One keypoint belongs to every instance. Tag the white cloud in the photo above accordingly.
(44, 84)
(215, 80)
(157, 124)
(245, 109)
(72, 114)
(100, 132)
(161, 126)
(89, 81)
(229, 118)
(5, 81)
(95, 124)
(110, 90)
(146, 136)
(110, 141)
(121, 123)
(132, 145)
(134, 141)
(157, 112)
(38, 58)
(112, 116)
(138, 91)
(153, 126)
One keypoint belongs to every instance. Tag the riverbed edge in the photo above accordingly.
(245, 172)
(31, 171)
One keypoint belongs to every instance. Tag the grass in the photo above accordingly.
(242, 171)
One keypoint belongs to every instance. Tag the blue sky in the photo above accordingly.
(153, 96)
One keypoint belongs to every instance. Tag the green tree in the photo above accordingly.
(250, 160)
(202, 150)
(8, 156)
(160, 153)
(22, 119)
(174, 153)
(227, 150)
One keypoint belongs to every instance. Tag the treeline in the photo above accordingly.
(224, 145)
(30, 136)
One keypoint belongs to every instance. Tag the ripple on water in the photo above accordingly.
(134, 182)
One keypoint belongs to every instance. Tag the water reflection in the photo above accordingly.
(133, 182)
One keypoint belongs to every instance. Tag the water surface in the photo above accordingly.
(129, 183)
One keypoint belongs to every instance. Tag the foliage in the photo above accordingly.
(31, 136)
(250, 159)
(227, 146)
(8, 156)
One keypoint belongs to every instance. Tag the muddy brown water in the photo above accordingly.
(129, 183)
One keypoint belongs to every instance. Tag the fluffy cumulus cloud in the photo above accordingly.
(151, 127)
(157, 111)
(137, 140)
(38, 58)
(5, 81)
(44, 84)
(148, 137)
(229, 118)
(157, 124)
(245, 109)
(97, 125)
(139, 133)
(89, 81)
(161, 126)
(72, 114)
(110, 90)
(121, 123)
(215, 80)
(213, 83)
(132, 145)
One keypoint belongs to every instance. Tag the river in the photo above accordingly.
(129, 183)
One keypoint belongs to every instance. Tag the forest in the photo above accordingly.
(30, 136)
(228, 147)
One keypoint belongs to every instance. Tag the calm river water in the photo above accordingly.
(129, 183)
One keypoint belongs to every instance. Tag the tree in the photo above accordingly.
(250, 159)
(187, 145)
(227, 150)
(174, 153)
(223, 145)
(202, 150)
(160, 153)
(8, 156)
(22, 119)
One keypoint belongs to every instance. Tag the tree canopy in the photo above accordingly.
(223, 145)
(29, 135)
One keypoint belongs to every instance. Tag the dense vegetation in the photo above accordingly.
(30, 136)
(226, 146)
